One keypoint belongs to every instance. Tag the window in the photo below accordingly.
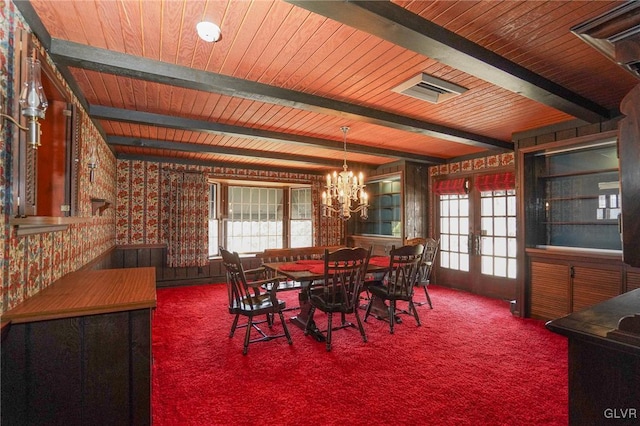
(255, 220)
(301, 211)
(214, 241)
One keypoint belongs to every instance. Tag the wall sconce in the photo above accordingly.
(33, 103)
(93, 164)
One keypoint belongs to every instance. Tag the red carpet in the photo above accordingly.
(471, 363)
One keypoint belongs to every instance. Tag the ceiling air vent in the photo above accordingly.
(429, 88)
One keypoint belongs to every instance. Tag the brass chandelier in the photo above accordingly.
(345, 192)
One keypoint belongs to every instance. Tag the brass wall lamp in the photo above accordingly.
(33, 103)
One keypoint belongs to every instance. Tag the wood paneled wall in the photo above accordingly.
(416, 201)
(154, 255)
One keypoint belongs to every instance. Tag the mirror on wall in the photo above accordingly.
(44, 176)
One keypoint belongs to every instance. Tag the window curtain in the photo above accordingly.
(452, 187)
(188, 210)
(496, 181)
(327, 231)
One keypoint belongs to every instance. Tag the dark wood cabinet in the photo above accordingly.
(570, 205)
(79, 352)
(561, 283)
(604, 370)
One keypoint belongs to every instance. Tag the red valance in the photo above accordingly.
(496, 182)
(452, 187)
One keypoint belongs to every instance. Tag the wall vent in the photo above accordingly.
(429, 88)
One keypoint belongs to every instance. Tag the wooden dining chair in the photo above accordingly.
(399, 283)
(251, 299)
(423, 279)
(344, 273)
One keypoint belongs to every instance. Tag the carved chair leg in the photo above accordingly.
(330, 326)
(234, 325)
(247, 336)
(286, 329)
(392, 314)
(415, 312)
(368, 311)
(307, 328)
(360, 326)
(426, 292)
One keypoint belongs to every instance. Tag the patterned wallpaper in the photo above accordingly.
(474, 165)
(141, 198)
(32, 262)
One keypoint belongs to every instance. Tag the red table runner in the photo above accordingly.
(379, 261)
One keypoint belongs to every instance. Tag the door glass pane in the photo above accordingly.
(511, 203)
(454, 259)
(444, 225)
(444, 259)
(453, 207)
(486, 223)
(511, 226)
(453, 226)
(511, 251)
(499, 206)
(511, 268)
(464, 225)
(464, 262)
(500, 226)
(487, 265)
(498, 221)
(500, 267)
(487, 206)
(444, 242)
(454, 229)
(500, 246)
(487, 246)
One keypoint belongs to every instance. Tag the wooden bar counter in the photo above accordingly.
(79, 351)
(604, 361)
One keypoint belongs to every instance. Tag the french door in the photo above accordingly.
(477, 234)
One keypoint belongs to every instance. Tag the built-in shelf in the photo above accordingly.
(39, 224)
(385, 208)
(573, 194)
(99, 205)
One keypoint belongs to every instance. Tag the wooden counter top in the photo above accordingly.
(88, 293)
(596, 322)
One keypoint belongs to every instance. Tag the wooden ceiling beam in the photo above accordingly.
(231, 151)
(406, 29)
(147, 118)
(77, 55)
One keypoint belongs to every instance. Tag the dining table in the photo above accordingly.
(307, 271)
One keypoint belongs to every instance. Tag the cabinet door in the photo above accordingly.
(550, 290)
(594, 285)
(633, 280)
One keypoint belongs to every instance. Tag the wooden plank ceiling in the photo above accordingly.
(285, 76)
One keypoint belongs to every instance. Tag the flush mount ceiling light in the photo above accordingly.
(208, 31)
